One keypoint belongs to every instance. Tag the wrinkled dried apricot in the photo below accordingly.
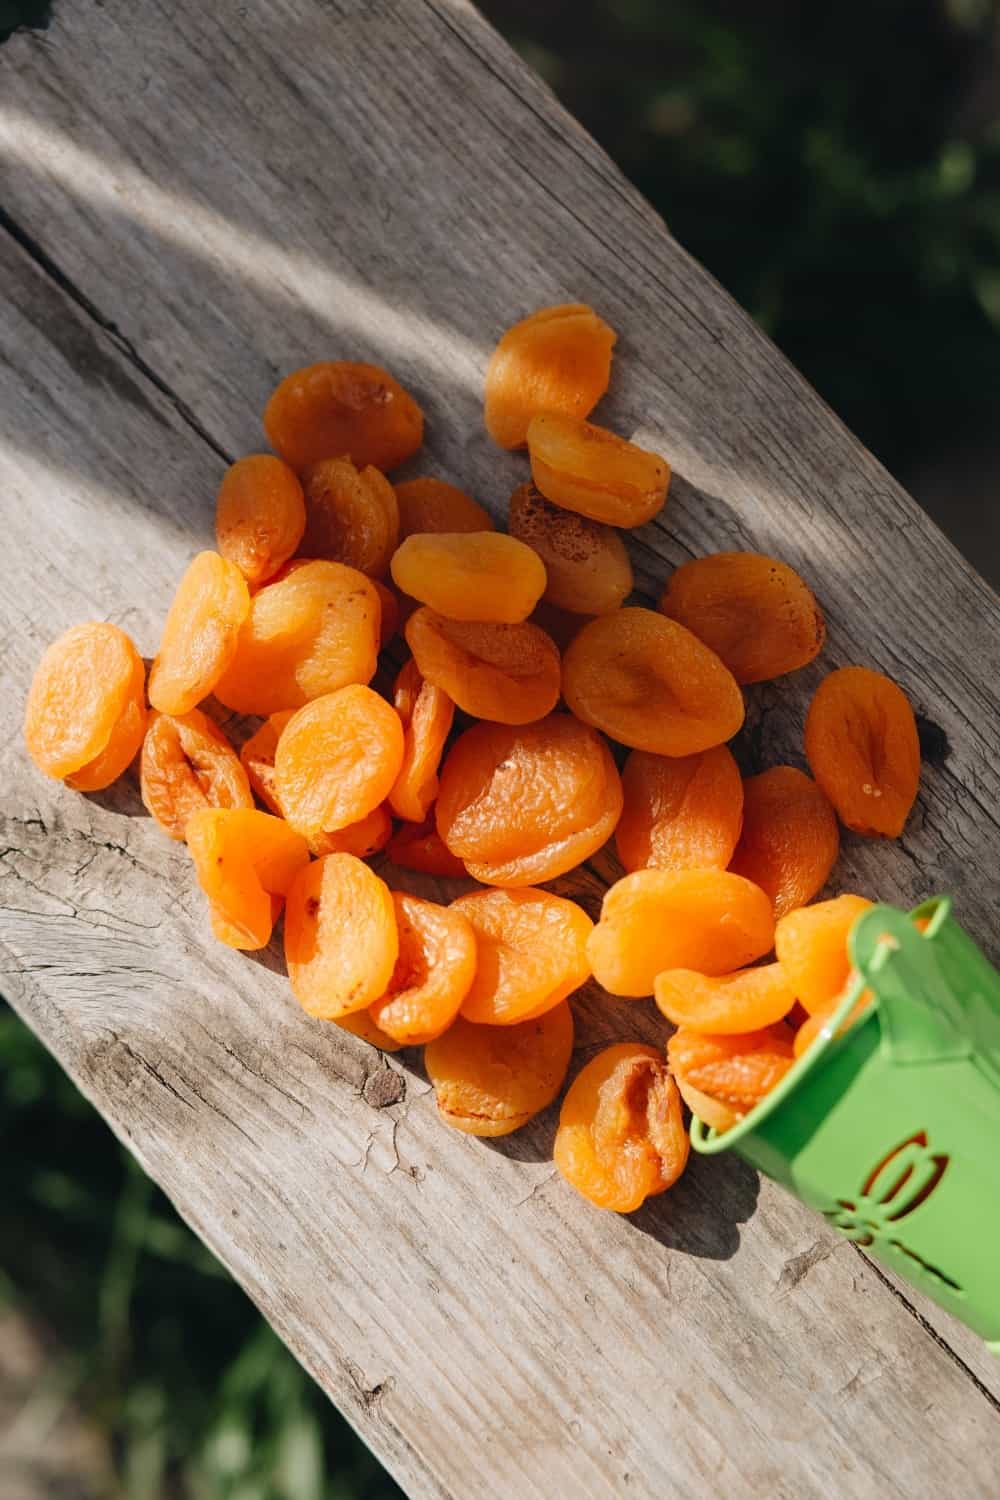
(532, 953)
(260, 515)
(434, 969)
(621, 1136)
(521, 805)
(310, 632)
(558, 359)
(586, 564)
(811, 946)
(680, 814)
(257, 759)
(82, 686)
(341, 943)
(123, 743)
(337, 759)
(470, 575)
(490, 1080)
(419, 846)
(712, 1112)
(790, 840)
(725, 1003)
(199, 635)
(652, 920)
(507, 673)
(863, 749)
(736, 1071)
(244, 859)
(595, 472)
(367, 836)
(436, 505)
(188, 764)
(352, 516)
(755, 612)
(426, 713)
(337, 407)
(651, 684)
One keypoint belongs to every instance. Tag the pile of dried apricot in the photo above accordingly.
(533, 711)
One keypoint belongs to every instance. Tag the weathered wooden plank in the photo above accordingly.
(388, 180)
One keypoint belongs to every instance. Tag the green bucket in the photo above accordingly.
(892, 1130)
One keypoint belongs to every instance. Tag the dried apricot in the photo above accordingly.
(532, 951)
(200, 634)
(426, 713)
(490, 1080)
(755, 612)
(595, 472)
(188, 764)
(367, 836)
(337, 407)
(508, 673)
(680, 814)
(435, 967)
(337, 759)
(863, 749)
(310, 632)
(557, 359)
(260, 515)
(436, 505)
(811, 946)
(82, 686)
(586, 564)
(341, 943)
(711, 1112)
(725, 1003)
(352, 516)
(470, 575)
(521, 805)
(123, 742)
(257, 759)
(621, 1136)
(651, 684)
(244, 859)
(813, 1026)
(736, 1071)
(790, 841)
(419, 846)
(652, 920)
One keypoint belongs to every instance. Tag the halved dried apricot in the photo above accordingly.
(337, 407)
(725, 1003)
(790, 840)
(621, 1136)
(434, 969)
(755, 612)
(521, 805)
(426, 713)
(557, 359)
(863, 749)
(337, 759)
(683, 813)
(200, 634)
(244, 859)
(419, 846)
(470, 575)
(508, 673)
(651, 684)
(260, 515)
(81, 688)
(490, 1080)
(436, 505)
(595, 472)
(341, 943)
(352, 516)
(736, 1071)
(587, 567)
(652, 920)
(188, 764)
(811, 947)
(532, 951)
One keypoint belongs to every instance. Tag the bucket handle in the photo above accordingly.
(921, 1017)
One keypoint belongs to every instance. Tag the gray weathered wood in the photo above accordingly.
(238, 189)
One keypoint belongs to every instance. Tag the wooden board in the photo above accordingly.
(200, 198)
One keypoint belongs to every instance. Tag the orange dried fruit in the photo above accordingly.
(507, 673)
(735, 1071)
(521, 805)
(341, 943)
(257, 759)
(586, 564)
(811, 947)
(812, 1026)
(244, 859)
(651, 920)
(436, 505)
(433, 972)
(200, 634)
(337, 407)
(790, 840)
(367, 836)
(490, 1080)
(337, 759)
(81, 689)
(352, 516)
(863, 749)
(621, 1136)
(188, 764)
(557, 359)
(651, 684)
(426, 713)
(470, 575)
(755, 612)
(725, 1003)
(419, 846)
(123, 743)
(310, 632)
(260, 515)
(595, 472)
(712, 1112)
(532, 953)
(683, 813)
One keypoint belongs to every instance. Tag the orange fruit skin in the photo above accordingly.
(681, 813)
(260, 515)
(586, 564)
(200, 634)
(728, 1003)
(419, 846)
(341, 942)
(435, 505)
(426, 713)
(82, 686)
(245, 862)
(338, 407)
(532, 953)
(507, 673)
(433, 973)
(470, 575)
(123, 743)
(790, 839)
(557, 359)
(337, 759)
(864, 751)
(587, 469)
(188, 764)
(735, 1071)
(352, 516)
(491, 1080)
(811, 946)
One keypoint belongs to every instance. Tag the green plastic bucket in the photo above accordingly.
(892, 1130)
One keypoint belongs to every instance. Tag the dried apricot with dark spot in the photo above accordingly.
(507, 673)
(863, 749)
(587, 567)
(341, 943)
(260, 515)
(337, 407)
(558, 359)
(683, 813)
(490, 1080)
(790, 840)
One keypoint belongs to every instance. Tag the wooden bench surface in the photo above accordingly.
(198, 199)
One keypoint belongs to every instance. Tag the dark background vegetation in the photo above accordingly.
(838, 169)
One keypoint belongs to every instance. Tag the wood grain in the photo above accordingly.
(206, 197)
